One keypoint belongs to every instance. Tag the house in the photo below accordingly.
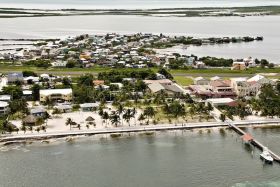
(241, 86)
(59, 64)
(15, 77)
(64, 108)
(4, 108)
(249, 87)
(221, 89)
(220, 102)
(169, 89)
(238, 66)
(56, 95)
(31, 80)
(38, 112)
(5, 98)
(89, 106)
(27, 94)
(98, 82)
(200, 65)
(200, 81)
(102, 87)
(160, 76)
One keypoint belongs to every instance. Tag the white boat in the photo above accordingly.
(266, 156)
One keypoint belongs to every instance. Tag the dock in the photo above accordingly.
(254, 142)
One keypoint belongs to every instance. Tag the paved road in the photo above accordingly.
(47, 135)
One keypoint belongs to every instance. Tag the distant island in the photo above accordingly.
(164, 12)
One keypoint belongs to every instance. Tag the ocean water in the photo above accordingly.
(177, 159)
(131, 4)
(266, 26)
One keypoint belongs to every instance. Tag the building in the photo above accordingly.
(59, 64)
(169, 89)
(238, 66)
(200, 81)
(249, 87)
(221, 102)
(14, 77)
(57, 95)
(38, 112)
(221, 89)
(4, 108)
(5, 98)
(89, 106)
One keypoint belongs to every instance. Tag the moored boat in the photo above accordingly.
(266, 156)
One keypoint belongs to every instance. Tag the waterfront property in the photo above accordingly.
(56, 95)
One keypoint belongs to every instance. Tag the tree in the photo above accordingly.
(23, 128)
(29, 73)
(128, 115)
(86, 80)
(209, 107)
(71, 64)
(105, 116)
(141, 118)
(66, 82)
(14, 91)
(38, 129)
(222, 117)
(36, 92)
(120, 110)
(149, 112)
(18, 105)
(165, 73)
(115, 118)
(69, 122)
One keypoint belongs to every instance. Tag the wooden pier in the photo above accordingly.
(254, 142)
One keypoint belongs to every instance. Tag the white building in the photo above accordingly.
(56, 95)
(249, 87)
(4, 108)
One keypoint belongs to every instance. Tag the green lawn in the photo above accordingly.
(183, 80)
(226, 72)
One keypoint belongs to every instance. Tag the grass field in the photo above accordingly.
(183, 80)
(180, 72)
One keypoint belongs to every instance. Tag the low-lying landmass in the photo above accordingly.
(176, 12)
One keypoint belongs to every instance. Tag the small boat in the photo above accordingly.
(266, 156)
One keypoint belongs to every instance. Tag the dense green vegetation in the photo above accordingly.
(268, 101)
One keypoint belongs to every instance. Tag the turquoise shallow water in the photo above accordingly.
(131, 4)
(166, 159)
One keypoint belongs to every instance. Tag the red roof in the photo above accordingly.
(247, 137)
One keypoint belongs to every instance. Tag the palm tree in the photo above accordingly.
(23, 128)
(141, 118)
(44, 128)
(38, 129)
(115, 118)
(31, 129)
(222, 117)
(105, 116)
(100, 113)
(120, 110)
(69, 122)
(79, 126)
(134, 112)
(128, 115)
(149, 112)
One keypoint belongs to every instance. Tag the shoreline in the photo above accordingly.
(15, 139)
(242, 11)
